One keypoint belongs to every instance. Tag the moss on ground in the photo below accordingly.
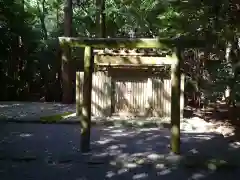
(54, 118)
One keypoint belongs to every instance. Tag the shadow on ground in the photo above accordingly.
(30, 151)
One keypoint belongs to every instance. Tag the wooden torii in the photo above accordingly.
(90, 43)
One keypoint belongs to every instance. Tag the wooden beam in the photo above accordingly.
(134, 60)
(132, 65)
(175, 103)
(117, 42)
(132, 42)
(86, 106)
(129, 53)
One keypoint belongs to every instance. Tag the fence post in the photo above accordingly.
(86, 106)
(175, 102)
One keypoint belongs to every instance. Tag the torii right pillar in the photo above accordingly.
(175, 102)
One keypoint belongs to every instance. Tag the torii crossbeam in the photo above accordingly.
(90, 43)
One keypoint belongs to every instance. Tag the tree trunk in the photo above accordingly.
(67, 79)
(100, 18)
(234, 56)
(57, 13)
(42, 12)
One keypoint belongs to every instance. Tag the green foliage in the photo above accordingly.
(32, 67)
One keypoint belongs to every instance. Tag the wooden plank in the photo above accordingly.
(101, 94)
(138, 66)
(182, 94)
(112, 95)
(175, 105)
(167, 96)
(157, 88)
(86, 106)
(117, 42)
(134, 60)
(130, 53)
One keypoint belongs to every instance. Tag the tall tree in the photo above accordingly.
(67, 78)
(42, 11)
(100, 18)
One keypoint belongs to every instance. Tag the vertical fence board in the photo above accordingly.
(182, 95)
(101, 93)
(167, 97)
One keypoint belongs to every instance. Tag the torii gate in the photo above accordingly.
(90, 43)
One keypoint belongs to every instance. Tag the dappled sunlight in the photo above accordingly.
(33, 110)
(146, 157)
(196, 176)
(197, 137)
(191, 38)
(105, 141)
(164, 172)
(25, 135)
(234, 145)
(8, 105)
(148, 130)
(121, 134)
(140, 176)
(117, 152)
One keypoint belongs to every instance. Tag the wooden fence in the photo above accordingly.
(130, 93)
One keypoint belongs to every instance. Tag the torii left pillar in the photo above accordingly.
(86, 105)
(175, 102)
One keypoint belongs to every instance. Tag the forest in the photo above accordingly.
(30, 56)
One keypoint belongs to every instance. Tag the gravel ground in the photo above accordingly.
(33, 111)
(49, 151)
